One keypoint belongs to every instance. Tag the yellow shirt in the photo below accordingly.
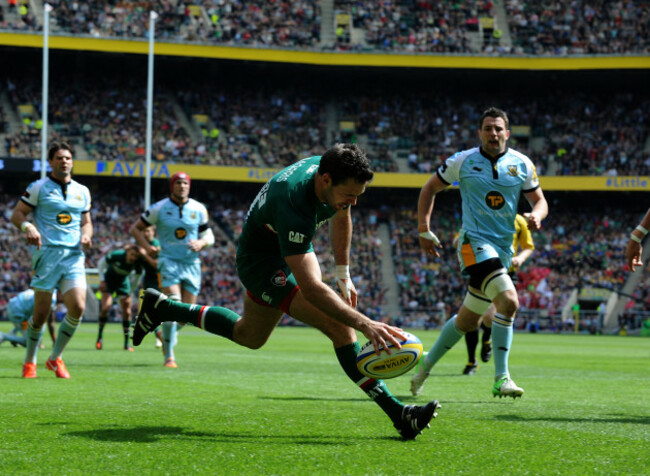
(522, 238)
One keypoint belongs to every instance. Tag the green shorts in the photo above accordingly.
(267, 279)
(120, 285)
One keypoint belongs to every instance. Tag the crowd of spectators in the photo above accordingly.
(577, 133)
(3, 120)
(279, 125)
(403, 26)
(410, 26)
(587, 135)
(575, 250)
(254, 23)
(579, 28)
(109, 121)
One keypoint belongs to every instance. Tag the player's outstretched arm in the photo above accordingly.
(306, 269)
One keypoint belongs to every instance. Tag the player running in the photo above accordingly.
(183, 230)
(491, 178)
(63, 229)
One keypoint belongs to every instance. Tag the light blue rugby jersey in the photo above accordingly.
(490, 192)
(23, 304)
(176, 225)
(57, 210)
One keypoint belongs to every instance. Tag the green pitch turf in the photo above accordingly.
(288, 409)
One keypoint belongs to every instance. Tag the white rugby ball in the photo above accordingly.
(385, 366)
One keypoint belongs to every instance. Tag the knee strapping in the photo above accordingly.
(476, 303)
(496, 283)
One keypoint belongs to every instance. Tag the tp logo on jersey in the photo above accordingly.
(180, 233)
(279, 278)
(63, 218)
(495, 200)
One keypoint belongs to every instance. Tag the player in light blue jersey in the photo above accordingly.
(19, 310)
(63, 228)
(491, 178)
(183, 231)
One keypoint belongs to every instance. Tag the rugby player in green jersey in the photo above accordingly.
(277, 265)
(115, 271)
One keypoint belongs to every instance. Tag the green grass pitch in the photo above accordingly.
(289, 409)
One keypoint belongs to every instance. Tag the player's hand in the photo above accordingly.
(33, 236)
(379, 333)
(633, 254)
(86, 242)
(153, 251)
(195, 245)
(534, 222)
(429, 242)
(348, 291)
(515, 262)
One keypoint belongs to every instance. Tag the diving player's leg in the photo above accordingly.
(409, 420)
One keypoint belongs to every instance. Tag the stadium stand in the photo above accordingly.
(578, 28)
(408, 122)
(511, 27)
(590, 134)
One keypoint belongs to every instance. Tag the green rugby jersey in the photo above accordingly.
(286, 213)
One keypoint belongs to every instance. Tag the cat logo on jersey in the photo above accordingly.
(512, 170)
(279, 278)
(180, 233)
(63, 218)
(495, 200)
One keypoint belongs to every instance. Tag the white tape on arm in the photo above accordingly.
(343, 280)
(429, 235)
(208, 236)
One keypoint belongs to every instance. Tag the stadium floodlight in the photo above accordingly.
(47, 8)
(147, 175)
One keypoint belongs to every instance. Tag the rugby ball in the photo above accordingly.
(385, 366)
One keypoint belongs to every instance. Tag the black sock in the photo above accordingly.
(471, 339)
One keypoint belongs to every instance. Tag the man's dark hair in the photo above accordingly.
(494, 112)
(344, 161)
(58, 145)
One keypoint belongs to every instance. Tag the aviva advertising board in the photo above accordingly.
(161, 170)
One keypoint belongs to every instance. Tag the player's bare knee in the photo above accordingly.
(507, 304)
(252, 343)
(467, 320)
